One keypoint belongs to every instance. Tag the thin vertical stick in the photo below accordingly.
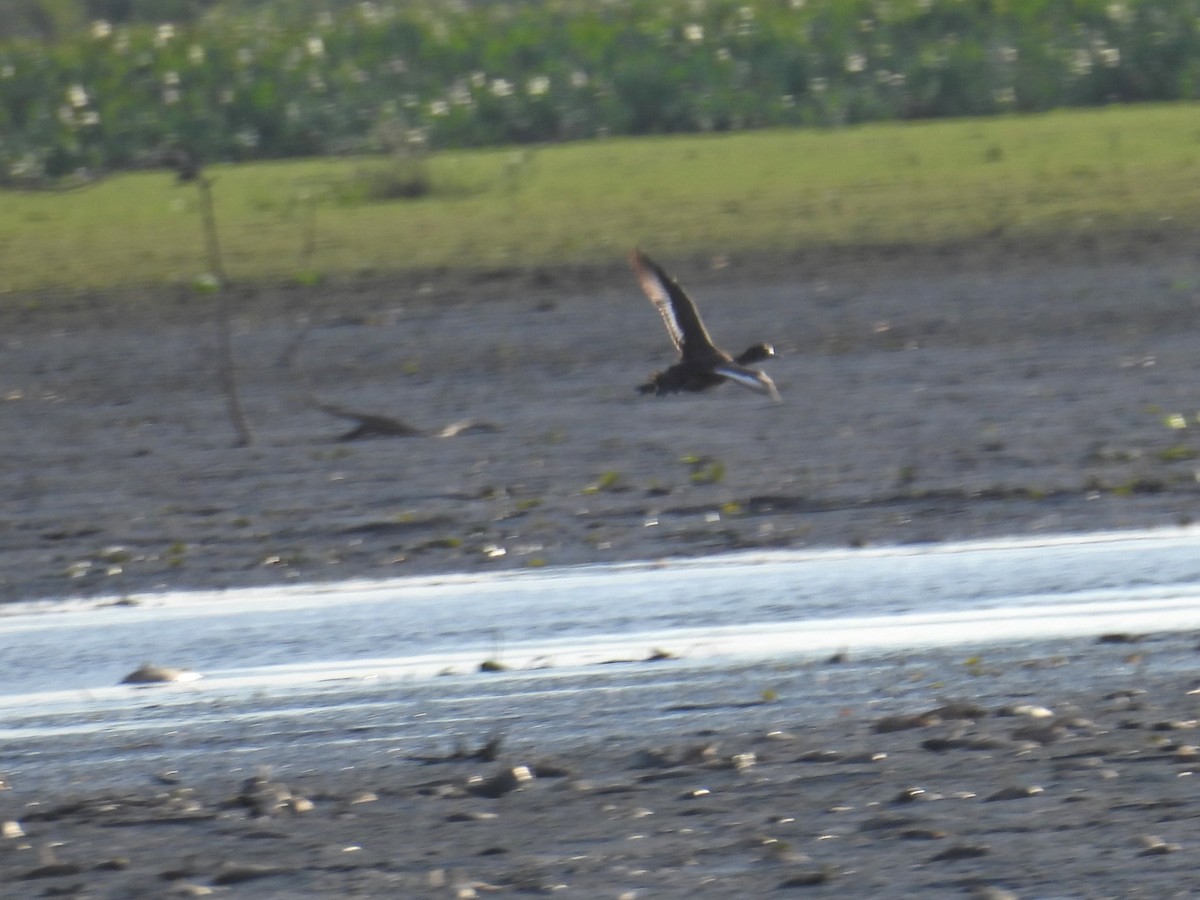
(225, 365)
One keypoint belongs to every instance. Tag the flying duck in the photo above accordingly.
(701, 363)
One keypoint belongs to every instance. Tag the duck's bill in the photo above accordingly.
(751, 379)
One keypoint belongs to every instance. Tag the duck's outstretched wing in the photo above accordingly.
(677, 309)
(753, 379)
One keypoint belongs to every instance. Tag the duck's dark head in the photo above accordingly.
(755, 354)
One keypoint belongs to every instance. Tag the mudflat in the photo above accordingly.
(923, 399)
(943, 397)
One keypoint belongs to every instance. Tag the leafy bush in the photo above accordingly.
(255, 80)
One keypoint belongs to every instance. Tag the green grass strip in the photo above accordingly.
(918, 184)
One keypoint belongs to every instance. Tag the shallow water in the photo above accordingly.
(335, 662)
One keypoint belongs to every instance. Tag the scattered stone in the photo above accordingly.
(819, 756)
(915, 795)
(807, 879)
(116, 864)
(472, 815)
(263, 797)
(551, 769)
(1040, 733)
(959, 709)
(53, 870)
(887, 821)
(1028, 710)
(504, 782)
(740, 762)
(905, 722)
(961, 851)
(1174, 725)
(1152, 845)
(1014, 792)
(149, 673)
(238, 873)
(11, 829)
(921, 834)
(988, 892)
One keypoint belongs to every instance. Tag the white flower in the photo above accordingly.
(439, 108)
(1008, 54)
(694, 33)
(101, 29)
(195, 54)
(1110, 57)
(478, 79)
(579, 79)
(8, 71)
(170, 78)
(501, 87)
(1081, 62)
(163, 34)
(538, 85)
(245, 56)
(89, 117)
(315, 47)
(170, 96)
(77, 96)
(855, 62)
(1005, 96)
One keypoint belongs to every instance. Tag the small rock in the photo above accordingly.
(53, 870)
(237, 873)
(11, 829)
(888, 724)
(472, 815)
(961, 851)
(504, 782)
(1039, 733)
(959, 709)
(819, 756)
(1014, 792)
(1152, 845)
(988, 892)
(149, 673)
(915, 795)
(806, 879)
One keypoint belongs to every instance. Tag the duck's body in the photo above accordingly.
(702, 365)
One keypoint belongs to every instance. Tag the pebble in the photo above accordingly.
(1014, 792)
(504, 782)
(149, 673)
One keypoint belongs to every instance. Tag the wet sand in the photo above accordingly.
(1065, 769)
(924, 400)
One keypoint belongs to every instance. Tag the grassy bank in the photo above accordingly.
(924, 183)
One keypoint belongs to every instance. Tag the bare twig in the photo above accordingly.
(188, 168)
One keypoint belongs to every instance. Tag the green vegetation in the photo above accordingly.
(1017, 177)
(111, 84)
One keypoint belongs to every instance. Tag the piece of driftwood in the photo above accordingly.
(377, 425)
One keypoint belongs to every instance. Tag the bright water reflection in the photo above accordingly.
(755, 604)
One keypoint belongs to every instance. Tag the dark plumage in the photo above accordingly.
(702, 364)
